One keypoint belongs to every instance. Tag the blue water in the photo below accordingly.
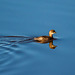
(32, 18)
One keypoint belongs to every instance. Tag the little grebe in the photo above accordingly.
(45, 39)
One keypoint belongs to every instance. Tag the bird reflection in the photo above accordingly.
(50, 43)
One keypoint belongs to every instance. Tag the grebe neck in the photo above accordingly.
(51, 35)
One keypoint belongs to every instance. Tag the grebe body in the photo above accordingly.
(45, 39)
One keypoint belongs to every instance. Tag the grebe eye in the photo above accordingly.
(53, 31)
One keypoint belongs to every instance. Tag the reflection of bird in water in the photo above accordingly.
(9, 40)
(51, 45)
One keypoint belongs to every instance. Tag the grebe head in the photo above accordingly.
(51, 32)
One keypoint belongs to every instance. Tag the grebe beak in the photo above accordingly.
(54, 32)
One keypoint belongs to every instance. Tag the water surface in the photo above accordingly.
(32, 18)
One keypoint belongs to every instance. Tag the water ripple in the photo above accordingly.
(10, 48)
